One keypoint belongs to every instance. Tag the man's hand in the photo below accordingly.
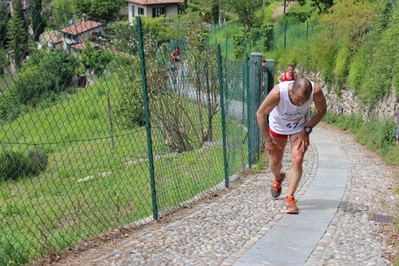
(302, 140)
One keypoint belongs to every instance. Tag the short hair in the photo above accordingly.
(290, 65)
(302, 85)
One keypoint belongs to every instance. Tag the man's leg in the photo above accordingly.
(294, 176)
(276, 156)
(296, 167)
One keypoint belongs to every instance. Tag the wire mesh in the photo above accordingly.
(287, 36)
(74, 158)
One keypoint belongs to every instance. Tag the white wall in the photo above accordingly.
(169, 10)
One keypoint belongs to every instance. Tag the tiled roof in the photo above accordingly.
(80, 46)
(154, 2)
(81, 27)
(56, 42)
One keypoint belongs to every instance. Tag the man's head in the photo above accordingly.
(300, 91)
(290, 68)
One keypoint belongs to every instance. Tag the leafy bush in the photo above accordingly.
(379, 136)
(130, 106)
(341, 67)
(352, 122)
(14, 165)
(12, 250)
(293, 17)
(40, 157)
(45, 72)
(94, 58)
(357, 68)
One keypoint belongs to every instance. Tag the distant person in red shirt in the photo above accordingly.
(287, 76)
(176, 54)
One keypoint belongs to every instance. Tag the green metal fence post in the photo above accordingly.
(265, 82)
(246, 86)
(285, 36)
(227, 44)
(268, 84)
(270, 64)
(222, 110)
(147, 120)
(253, 103)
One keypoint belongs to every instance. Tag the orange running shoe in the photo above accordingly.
(276, 186)
(290, 205)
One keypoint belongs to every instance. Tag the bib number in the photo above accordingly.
(292, 125)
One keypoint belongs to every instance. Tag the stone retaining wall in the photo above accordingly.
(387, 107)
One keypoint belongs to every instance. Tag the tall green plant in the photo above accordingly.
(103, 9)
(245, 11)
(342, 62)
(62, 13)
(130, 104)
(357, 67)
(17, 30)
(321, 6)
(45, 72)
(38, 24)
(349, 21)
(215, 11)
(381, 69)
(94, 58)
(4, 17)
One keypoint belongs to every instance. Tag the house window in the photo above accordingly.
(70, 37)
(158, 11)
(140, 11)
(133, 14)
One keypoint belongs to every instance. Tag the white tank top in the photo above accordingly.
(287, 118)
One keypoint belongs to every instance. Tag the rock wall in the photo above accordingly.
(385, 108)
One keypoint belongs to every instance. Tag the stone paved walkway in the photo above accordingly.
(223, 230)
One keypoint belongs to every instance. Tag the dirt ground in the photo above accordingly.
(279, 11)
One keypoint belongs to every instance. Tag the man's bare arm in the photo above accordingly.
(320, 104)
(280, 78)
(271, 101)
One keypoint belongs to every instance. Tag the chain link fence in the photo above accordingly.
(100, 129)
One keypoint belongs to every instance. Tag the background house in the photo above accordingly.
(152, 8)
(78, 33)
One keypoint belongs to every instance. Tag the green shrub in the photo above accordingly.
(352, 122)
(378, 136)
(12, 250)
(357, 68)
(342, 62)
(294, 17)
(15, 165)
(130, 107)
(40, 157)
(45, 72)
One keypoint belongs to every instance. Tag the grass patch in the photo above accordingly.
(376, 135)
(88, 187)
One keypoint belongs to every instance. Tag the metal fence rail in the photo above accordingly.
(99, 129)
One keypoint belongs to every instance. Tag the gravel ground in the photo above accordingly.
(219, 229)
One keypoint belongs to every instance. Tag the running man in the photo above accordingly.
(287, 76)
(288, 107)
